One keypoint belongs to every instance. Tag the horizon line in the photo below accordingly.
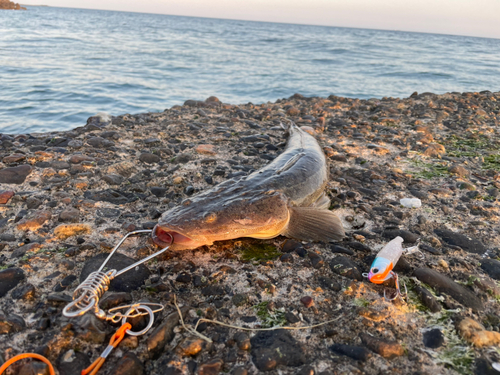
(277, 22)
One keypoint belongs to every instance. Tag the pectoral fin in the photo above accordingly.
(313, 224)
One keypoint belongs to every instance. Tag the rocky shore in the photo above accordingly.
(6, 4)
(68, 197)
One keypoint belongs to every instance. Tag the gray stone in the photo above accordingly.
(469, 244)
(273, 348)
(15, 175)
(9, 279)
(446, 285)
(149, 158)
(71, 362)
(491, 267)
(126, 282)
(346, 267)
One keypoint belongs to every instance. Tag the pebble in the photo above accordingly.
(427, 299)
(387, 349)
(433, 338)
(9, 279)
(410, 202)
(91, 329)
(469, 244)
(212, 367)
(15, 175)
(242, 341)
(491, 267)
(64, 231)
(163, 334)
(346, 267)
(129, 364)
(475, 333)
(359, 353)
(34, 221)
(407, 236)
(149, 158)
(240, 300)
(24, 292)
(11, 324)
(447, 286)
(190, 346)
(307, 301)
(328, 283)
(205, 149)
(72, 362)
(126, 282)
(273, 348)
(5, 196)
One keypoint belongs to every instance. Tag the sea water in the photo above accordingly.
(58, 66)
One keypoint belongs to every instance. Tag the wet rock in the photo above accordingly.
(65, 231)
(22, 250)
(129, 364)
(69, 215)
(328, 283)
(341, 250)
(346, 267)
(240, 299)
(11, 324)
(190, 346)
(212, 367)
(427, 299)
(447, 286)
(476, 334)
(113, 179)
(407, 236)
(205, 149)
(24, 292)
(307, 301)
(316, 261)
(15, 175)
(89, 328)
(483, 366)
(358, 353)
(459, 170)
(126, 282)
(149, 158)
(491, 267)
(163, 334)
(273, 348)
(433, 338)
(34, 221)
(387, 349)
(242, 341)
(5, 196)
(9, 279)
(71, 362)
(290, 246)
(469, 244)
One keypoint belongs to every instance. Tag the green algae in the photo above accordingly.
(259, 251)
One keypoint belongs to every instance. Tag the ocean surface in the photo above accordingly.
(58, 66)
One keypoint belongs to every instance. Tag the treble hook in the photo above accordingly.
(398, 289)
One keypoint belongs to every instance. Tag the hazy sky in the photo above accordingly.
(460, 17)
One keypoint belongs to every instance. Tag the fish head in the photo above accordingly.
(380, 270)
(215, 217)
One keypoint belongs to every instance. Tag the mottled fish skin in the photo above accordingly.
(264, 204)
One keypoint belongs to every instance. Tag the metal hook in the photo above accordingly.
(86, 295)
(398, 290)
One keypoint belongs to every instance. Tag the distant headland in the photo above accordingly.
(6, 4)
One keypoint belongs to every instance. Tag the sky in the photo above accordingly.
(456, 17)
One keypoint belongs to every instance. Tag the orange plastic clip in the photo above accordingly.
(113, 343)
(27, 355)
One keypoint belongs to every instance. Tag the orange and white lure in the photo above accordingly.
(381, 269)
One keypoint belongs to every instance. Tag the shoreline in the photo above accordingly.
(68, 196)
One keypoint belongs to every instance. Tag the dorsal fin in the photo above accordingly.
(290, 163)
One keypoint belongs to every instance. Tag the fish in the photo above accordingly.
(286, 197)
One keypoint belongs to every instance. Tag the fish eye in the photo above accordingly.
(375, 270)
(210, 217)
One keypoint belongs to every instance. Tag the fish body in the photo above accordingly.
(286, 197)
(386, 259)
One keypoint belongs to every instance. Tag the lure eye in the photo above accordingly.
(375, 270)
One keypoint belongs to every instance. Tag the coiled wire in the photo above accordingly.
(87, 294)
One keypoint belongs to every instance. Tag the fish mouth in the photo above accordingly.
(164, 237)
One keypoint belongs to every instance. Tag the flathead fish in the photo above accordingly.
(286, 197)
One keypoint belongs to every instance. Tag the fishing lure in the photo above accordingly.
(381, 269)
